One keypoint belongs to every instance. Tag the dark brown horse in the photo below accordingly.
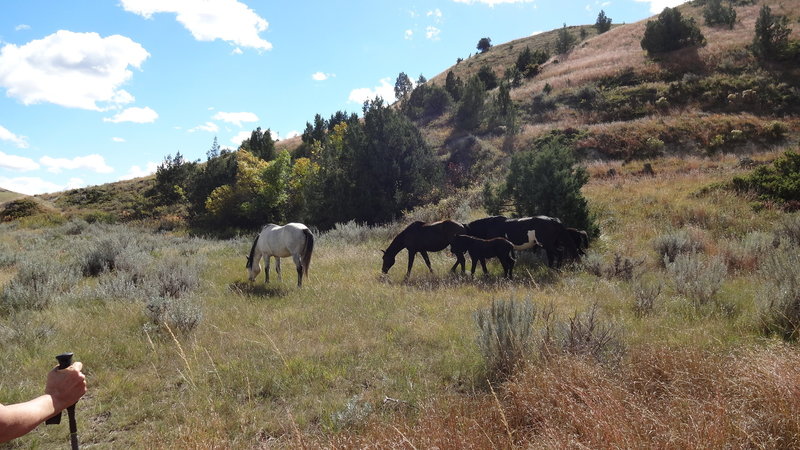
(580, 238)
(421, 237)
(483, 249)
(551, 234)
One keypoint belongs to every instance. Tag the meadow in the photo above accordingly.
(625, 349)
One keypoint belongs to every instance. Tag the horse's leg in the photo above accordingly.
(299, 264)
(483, 266)
(459, 260)
(427, 261)
(278, 268)
(474, 265)
(410, 262)
(266, 269)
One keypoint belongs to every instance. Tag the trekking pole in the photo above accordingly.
(64, 361)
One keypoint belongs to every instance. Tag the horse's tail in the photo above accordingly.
(309, 248)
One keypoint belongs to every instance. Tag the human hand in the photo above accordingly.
(66, 386)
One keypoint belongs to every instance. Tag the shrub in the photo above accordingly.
(670, 32)
(789, 229)
(645, 297)
(505, 333)
(780, 182)
(779, 299)
(17, 209)
(101, 257)
(38, 282)
(174, 277)
(669, 246)
(716, 14)
(180, 314)
(697, 277)
(8, 257)
(586, 335)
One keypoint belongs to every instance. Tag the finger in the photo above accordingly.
(77, 365)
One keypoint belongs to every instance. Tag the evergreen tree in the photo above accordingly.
(172, 180)
(260, 144)
(454, 86)
(603, 22)
(564, 41)
(670, 32)
(213, 152)
(547, 181)
(402, 87)
(470, 109)
(487, 76)
(771, 40)
(716, 14)
(484, 44)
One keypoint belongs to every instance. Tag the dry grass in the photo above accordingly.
(661, 398)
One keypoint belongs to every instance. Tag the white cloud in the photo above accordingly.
(6, 135)
(656, 6)
(237, 51)
(385, 91)
(19, 163)
(117, 139)
(237, 140)
(321, 76)
(74, 70)
(135, 115)
(95, 163)
(436, 14)
(432, 33)
(208, 20)
(408, 35)
(236, 118)
(492, 3)
(211, 127)
(22, 27)
(33, 186)
(136, 171)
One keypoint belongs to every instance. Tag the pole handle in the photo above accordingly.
(64, 361)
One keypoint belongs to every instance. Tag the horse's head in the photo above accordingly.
(252, 269)
(388, 262)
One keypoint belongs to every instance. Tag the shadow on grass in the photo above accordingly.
(529, 277)
(247, 289)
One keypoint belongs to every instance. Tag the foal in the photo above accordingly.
(482, 249)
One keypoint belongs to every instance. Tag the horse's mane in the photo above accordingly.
(252, 253)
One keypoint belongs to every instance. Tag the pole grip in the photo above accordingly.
(64, 361)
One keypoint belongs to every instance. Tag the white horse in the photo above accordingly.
(293, 239)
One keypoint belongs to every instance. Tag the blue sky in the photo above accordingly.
(96, 91)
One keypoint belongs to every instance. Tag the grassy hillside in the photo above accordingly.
(6, 195)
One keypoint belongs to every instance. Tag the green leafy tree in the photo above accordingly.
(565, 40)
(603, 22)
(546, 180)
(716, 14)
(470, 109)
(403, 86)
(484, 44)
(772, 35)
(209, 176)
(671, 31)
(504, 108)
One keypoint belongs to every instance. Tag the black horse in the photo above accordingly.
(421, 237)
(580, 238)
(551, 234)
(483, 249)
